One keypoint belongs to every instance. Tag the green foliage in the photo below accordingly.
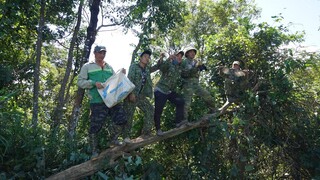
(124, 169)
(273, 133)
(21, 152)
(163, 14)
(6, 76)
(26, 152)
(270, 119)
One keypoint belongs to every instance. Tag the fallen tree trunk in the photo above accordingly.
(109, 156)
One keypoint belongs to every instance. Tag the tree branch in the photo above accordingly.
(109, 25)
(109, 156)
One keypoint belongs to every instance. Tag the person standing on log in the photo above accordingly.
(139, 75)
(166, 89)
(234, 84)
(91, 77)
(190, 73)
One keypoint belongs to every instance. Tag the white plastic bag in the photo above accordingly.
(116, 88)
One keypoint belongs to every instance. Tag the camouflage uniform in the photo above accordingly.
(141, 78)
(190, 78)
(91, 73)
(99, 115)
(166, 89)
(234, 84)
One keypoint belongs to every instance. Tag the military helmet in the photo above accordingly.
(190, 49)
(236, 62)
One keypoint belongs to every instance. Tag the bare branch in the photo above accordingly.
(109, 25)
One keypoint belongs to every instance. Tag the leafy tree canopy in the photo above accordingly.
(272, 134)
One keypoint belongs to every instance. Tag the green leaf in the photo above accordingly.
(138, 160)
(103, 176)
(249, 168)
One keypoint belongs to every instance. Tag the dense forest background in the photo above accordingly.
(273, 134)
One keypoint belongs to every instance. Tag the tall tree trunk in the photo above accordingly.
(36, 75)
(91, 36)
(57, 114)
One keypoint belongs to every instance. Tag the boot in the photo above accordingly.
(127, 140)
(116, 131)
(93, 144)
(146, 133)
(159, 132)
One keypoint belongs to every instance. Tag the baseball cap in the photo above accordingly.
(180, 52)
(146, 52)
(99, 48)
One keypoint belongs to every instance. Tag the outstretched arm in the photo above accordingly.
(159, 62)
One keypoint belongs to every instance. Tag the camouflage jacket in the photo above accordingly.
(189, 70)
(141, 78)
(170, 77)
(235, 81)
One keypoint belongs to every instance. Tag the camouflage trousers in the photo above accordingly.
(100, 114)
(146, 108)
(191, 88)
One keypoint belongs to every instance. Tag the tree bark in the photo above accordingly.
(91, 37)
(57, 114)
(36, 85)
(135, 51)
(110, 156)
